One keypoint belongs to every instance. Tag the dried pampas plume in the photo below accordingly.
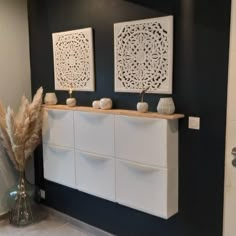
(21, 133)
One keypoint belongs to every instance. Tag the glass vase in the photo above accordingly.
(23, 209)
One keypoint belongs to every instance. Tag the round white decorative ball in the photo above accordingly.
(71, 102)
(96, 104)
(105, 103)
(142, 107)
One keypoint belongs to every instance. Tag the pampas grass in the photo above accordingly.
(21, 133)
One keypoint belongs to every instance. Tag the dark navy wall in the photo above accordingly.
(201, 40)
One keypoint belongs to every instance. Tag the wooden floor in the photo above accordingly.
(52, 226)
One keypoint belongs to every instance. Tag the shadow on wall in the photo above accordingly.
(167, 6)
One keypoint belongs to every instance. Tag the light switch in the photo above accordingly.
(194, 122)
(42, 193)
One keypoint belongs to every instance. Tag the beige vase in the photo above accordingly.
(50, 99)
(166, 106)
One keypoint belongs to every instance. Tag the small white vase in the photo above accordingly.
(70, 102)
(166, 106)
(142, 107)
(50, 99)
(96, 104)
(105, 103)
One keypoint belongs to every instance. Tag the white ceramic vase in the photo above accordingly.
(50, 99)
(142, 107)
(105, 103)
(166, 106)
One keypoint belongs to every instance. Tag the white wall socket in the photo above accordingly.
(42, 194)
(194, 122)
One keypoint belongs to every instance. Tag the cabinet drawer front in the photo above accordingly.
(95, 174)
(142, 140)
(58, 128)
(59, 165)
(146, 188)
(94, 133)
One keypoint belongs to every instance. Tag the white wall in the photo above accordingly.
(230, 171)
(14, 70)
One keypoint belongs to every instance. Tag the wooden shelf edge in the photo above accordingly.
(117, 112)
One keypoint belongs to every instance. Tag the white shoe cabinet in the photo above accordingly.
(123, 156)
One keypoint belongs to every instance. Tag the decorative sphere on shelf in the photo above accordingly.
(142, 107)
(96, 104)
(71, 102)
(105, 103)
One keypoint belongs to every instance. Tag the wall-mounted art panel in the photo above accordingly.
(143, 55)
(73, 60)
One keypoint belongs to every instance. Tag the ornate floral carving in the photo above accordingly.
(143, 55)
(73, 60)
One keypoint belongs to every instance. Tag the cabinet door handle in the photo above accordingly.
(234, 154)
(91, 116)
(234, 151)
(141, 168)
(139, 120)
(58, 114)
(94, 156)
(58, 149)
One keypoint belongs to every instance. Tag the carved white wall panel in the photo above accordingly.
(143, 55)
(73, 60)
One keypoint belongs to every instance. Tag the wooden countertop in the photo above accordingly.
(116, 112)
